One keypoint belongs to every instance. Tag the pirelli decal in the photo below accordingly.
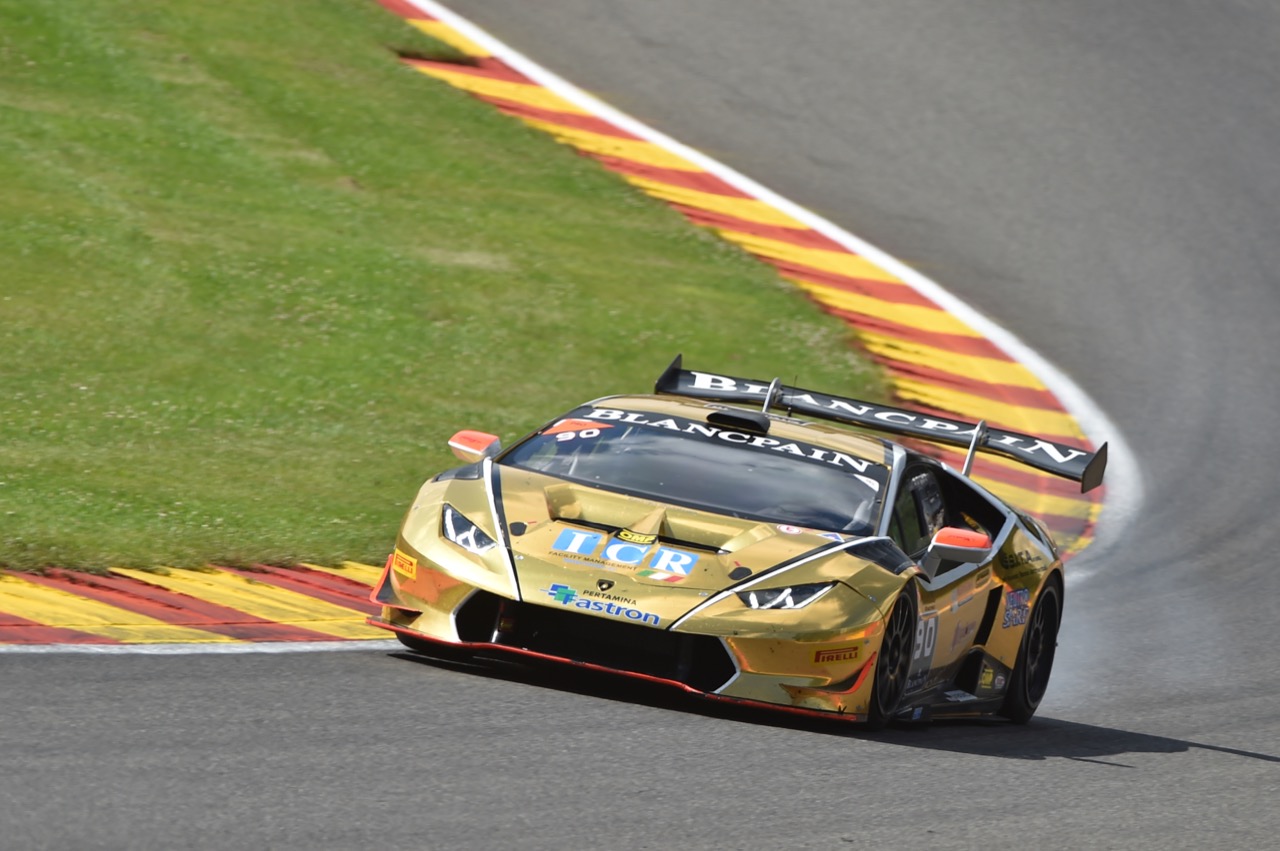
(837, 654)
(404, 564)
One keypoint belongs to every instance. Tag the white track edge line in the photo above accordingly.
(1124, 484)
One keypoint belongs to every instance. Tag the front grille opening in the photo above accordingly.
(699, 661)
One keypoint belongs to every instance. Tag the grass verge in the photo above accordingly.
(256, 272)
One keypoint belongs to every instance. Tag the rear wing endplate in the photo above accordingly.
(1059, 459)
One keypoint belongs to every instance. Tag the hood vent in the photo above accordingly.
(618, 513)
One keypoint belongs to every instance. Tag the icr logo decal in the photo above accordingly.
(619, 551)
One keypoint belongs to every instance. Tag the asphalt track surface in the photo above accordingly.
(1103, 179)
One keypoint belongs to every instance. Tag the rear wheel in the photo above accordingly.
(894, 662)
(1035, 657)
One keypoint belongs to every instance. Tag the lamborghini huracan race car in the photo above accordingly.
(718, 537)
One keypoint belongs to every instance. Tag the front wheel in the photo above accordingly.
(894, 663)
(1035, 657)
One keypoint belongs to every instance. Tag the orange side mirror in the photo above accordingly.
(957, 536)
(472, 446)
(955, 543)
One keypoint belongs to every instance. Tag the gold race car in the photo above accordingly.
(737, 539)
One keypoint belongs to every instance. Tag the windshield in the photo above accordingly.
(693, 463)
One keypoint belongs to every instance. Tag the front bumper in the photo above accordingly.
(828, 677)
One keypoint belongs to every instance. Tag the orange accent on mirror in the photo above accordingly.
(954, 536)
(470, 445)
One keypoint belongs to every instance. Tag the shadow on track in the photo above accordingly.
(1044, 738)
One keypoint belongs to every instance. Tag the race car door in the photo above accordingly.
(952, 603)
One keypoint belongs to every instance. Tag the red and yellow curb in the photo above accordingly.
(210, 606)
(935, 361)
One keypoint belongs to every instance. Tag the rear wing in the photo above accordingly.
(1059, 459)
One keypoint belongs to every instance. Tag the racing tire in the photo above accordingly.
(894, 662)
(1030, 677)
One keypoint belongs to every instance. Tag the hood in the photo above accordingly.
(637, 558)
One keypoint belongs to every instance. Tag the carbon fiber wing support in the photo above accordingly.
(1060, 459)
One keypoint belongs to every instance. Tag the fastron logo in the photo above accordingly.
(566, 596)
(563, 594)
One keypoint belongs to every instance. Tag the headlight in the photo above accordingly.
(791, 597)
(463, 532)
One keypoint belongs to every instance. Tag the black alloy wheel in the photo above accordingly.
(894, 662)
(1035, 658)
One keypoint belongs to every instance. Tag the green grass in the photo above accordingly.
(254, 272)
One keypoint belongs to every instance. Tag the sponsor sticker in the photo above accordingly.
(659, 575)
(962, 634)
(405, 564)
(618, 552)
(868, 472)
(837, 654)
(636, 537)
(1017, 606)
(578, 428)
(572, 597)
(1019, 558)
(922, 650)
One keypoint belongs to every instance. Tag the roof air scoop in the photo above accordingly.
(748, 421)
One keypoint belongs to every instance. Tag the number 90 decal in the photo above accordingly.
(926, 639)
(565, 436)
(922, 652)
(567, 430)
